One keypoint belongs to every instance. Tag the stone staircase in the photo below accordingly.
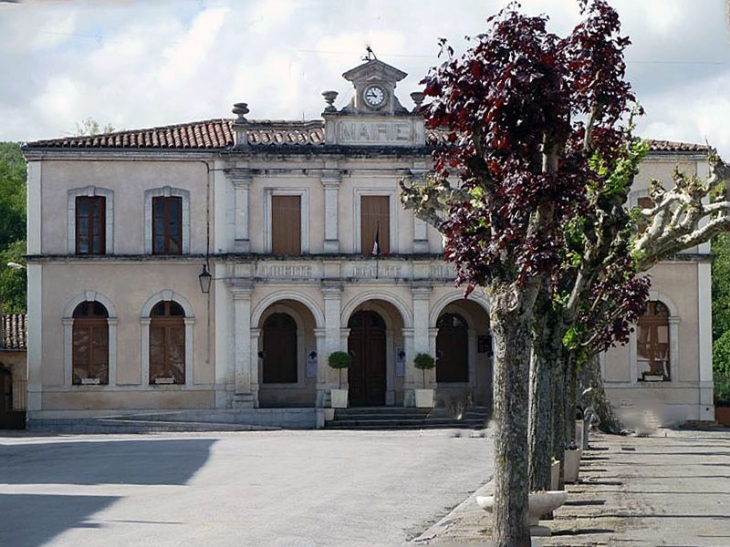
(407, 418)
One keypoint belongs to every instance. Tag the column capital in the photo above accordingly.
(331, 291)
(421, 292)
(320, 333)
(241, 290)
(331, 177)
(241, 176)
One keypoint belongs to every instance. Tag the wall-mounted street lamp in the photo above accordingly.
(205, 280)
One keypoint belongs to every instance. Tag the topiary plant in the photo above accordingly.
(339, 360)
(425, 362)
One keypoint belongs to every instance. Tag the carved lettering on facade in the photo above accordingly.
(374, 271)
(285, 271)
(442, 271)
(372, 132)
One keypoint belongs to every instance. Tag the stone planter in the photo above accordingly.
(653, 377)
(539, 503)
(338, 398)
(329, 414)
(572, 465)
(424, 398)
(555, 475)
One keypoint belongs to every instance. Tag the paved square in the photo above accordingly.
(263, 489)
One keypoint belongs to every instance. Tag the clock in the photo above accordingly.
(374, 96)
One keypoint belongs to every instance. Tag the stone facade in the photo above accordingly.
(120, 227)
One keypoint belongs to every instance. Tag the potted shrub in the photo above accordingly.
(424, 397)
(339, 360)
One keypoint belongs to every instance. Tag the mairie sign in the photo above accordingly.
(380, 132)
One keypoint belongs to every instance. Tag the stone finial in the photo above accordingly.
(329, 97)
(240, 110)
(418, 97)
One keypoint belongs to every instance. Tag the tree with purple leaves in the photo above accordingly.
(530, 127)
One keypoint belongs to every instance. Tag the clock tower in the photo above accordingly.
(374, 116)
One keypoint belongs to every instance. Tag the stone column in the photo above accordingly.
(255, 334)
(242, 345)
(331, 179)
(332, 293)
(704, 305)
(409, 398)
(242, 180)
(322, 353)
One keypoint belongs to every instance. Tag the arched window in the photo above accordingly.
(167, 343)
(652, 342)
(452, 349)
(280, 350)
(90, 344)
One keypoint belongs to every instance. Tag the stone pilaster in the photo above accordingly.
(242, 181)
(331, 179)
(243, 363)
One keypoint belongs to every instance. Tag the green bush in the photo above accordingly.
(721, 355)
(722, 390)
(339, 360)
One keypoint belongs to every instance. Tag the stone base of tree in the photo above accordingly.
(329, 414)
(539, 503)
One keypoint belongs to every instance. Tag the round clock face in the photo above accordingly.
(374, 95)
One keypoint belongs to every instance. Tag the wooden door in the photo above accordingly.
(6, 389)
(280, 350)
(452, 349)
(367, 344)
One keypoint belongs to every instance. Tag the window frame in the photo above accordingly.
(170, 206)
(145, 321)
(90, 191)
(166, 192)
(68, 321)
(303, 194)
(357, 216)
(674, 347)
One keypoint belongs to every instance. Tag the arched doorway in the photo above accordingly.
(452, 349)
(280, 350)
(367, 345)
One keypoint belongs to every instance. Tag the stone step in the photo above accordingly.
(406, 418)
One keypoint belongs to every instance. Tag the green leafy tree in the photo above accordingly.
(12, 227)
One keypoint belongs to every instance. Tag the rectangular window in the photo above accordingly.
(286, 225)
(90, 225)
(374, 225)
(167, 225)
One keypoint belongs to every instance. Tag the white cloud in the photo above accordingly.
(184, 57)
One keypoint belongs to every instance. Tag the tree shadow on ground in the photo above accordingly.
(143, 462)
(31, 520)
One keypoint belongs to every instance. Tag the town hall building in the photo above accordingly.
(214, 266)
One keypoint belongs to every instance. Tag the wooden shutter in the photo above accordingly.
(167, 344)
(286, 225)
(90, 225)
(167, 225)
(374, 223)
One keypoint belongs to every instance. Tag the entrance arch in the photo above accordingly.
(367, 344)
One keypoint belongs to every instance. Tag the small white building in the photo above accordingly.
(300, 226)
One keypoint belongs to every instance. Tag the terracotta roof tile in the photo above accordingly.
(219, 134)
(14, 331)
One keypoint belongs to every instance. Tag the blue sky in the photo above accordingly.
(142, 63)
